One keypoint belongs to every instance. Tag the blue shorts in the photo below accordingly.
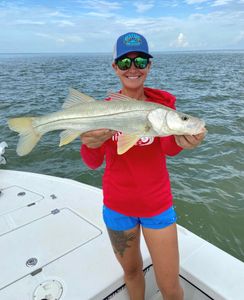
(118, 221)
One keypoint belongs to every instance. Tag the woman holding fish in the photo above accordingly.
(142, 127)
(136, 185)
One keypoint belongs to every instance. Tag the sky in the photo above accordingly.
(94, 25)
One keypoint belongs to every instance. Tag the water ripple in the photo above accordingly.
(207, 182)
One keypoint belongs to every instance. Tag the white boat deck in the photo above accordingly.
(54, 245)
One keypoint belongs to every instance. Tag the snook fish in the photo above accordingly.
(81, 113)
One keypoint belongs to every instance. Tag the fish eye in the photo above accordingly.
(184, 118)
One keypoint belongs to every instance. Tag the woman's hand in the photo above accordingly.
(95, 138)
(189, 141)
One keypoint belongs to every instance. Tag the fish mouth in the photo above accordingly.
(200, 128)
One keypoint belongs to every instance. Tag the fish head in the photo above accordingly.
(183, 124)
(170, 122)
(157, 119)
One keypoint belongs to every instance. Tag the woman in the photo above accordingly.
(136, 186)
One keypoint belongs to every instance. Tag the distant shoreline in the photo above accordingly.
(109, 53)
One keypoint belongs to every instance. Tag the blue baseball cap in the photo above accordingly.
(130, 42)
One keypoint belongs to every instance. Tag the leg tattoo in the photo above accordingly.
(120, 239)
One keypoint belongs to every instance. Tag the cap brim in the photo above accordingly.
(145, 53)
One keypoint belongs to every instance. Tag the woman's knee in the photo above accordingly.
(133, 272)
(171, 290)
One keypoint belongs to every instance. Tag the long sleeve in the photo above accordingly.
(93, 158)
(169, 145)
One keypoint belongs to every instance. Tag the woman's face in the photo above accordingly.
(132, 78)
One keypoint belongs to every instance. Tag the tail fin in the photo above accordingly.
(28, 136)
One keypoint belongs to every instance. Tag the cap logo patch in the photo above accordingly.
(132, 40)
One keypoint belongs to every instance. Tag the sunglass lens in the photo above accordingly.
(124, 64)
(141, 62)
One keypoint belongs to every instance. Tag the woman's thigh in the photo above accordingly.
(163, 248)
(126, 245)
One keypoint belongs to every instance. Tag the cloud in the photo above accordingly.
(100, 9)
(57, 13)
(142, 23)
(195, 1)
(180, 42)
(221, 2)
(100, 14)
(28, 22)
(208, 2)
(239, 38)
(36, 27)
(100, 5)
(63, 23)
(143, 7)
(61, 38)
(46, 36)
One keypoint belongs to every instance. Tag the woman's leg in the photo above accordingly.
(163, 248)
(126, 245)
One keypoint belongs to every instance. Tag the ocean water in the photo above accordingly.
(207, 182)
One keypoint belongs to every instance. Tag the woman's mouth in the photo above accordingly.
(133, 77)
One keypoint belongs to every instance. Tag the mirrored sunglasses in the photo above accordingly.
(126, 62)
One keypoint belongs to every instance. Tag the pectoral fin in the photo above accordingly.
(126, 141)
(67, 136)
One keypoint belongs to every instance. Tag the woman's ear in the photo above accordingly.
(149, 64)
(114, 65)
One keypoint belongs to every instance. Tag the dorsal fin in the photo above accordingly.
(75, 97)
(118, 96)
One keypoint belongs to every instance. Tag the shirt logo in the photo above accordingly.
(144, 141)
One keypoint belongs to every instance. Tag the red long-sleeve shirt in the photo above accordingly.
(137, 182)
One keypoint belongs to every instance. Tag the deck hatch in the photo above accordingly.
(46, 239)
(14, 197)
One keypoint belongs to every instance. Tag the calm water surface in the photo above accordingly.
(207, 182)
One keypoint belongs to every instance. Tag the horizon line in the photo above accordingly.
(107, 52)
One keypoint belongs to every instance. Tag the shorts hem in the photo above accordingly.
(120, 229)
(158, 227)
(119, 222)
